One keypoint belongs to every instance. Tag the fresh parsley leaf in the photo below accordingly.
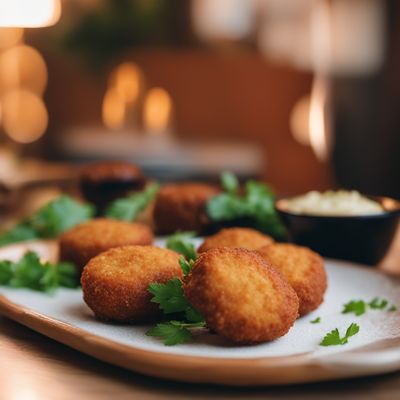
(193, 315)
(226, 207)
(169, 296)
(357, 307)
(49, 221)
(186, 266)
(378, 304)
(316, 320)
(392, 308)
(6, 272)
(19, 233)
(171, 300)
(229, 182)
(180, 242)
(127, 209)
(59, 216)
(67, 275)
(333, 338)
(255, 207)
(352, 330)
(174, 332)
(30, 272)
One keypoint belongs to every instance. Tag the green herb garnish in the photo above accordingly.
(32, 273)
(392, 308)
(49, 221)
(333, 338)
(378, 304)
(172, 301)
(180, 242)
(357, 307)
(174, 332)
(316, 320)
(127, 209)
(256, 205)
(169, 296)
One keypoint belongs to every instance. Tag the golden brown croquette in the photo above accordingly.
(245, 238)
(181, 207)
(88, 239)
(241, 297)
(115, 282)
(302, 268)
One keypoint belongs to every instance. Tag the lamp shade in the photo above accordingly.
(29, 13)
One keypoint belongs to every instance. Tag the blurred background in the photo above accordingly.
(304, 94)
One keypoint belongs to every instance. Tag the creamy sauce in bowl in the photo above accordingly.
(333, 203)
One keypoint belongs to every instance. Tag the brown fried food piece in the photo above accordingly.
(103, 182)
(241, 297)
(302, 268)
(115, 282)
(245, 238)
(86, 240)
(181, 207)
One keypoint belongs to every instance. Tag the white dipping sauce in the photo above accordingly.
(340, 203)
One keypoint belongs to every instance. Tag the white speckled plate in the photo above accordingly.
(296, 357)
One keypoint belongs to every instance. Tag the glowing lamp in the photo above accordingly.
(29, 13)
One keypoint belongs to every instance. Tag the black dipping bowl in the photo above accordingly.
(364, 239)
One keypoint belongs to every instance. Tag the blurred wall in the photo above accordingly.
(233, 96)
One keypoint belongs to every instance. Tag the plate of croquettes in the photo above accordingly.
(186, 299)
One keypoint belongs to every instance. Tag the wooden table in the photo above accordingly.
(33, 367)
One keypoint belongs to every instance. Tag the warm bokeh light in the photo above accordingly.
(317, 118)
(22, 67)
(157, 111)
(223, 19)
(299, 121)
(29, 13)
(25, 116)
(127, 80)
(10, 37)
(113, 110)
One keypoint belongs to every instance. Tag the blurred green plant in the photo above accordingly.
(108, 30)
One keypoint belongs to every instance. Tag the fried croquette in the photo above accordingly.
(181, 207)
(241, 297)
(115, 282)
(245, 238)
(86, 240)
(302, 268)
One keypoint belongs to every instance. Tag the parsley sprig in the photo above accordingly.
(49, 221)
(128, 208)
(174, 332)
(180, 314)
(360, 307)
(181, 243)
(256, 205)
(333, 338)
(33, 273)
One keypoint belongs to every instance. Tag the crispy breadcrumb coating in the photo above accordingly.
(245, 238)
(115, 283)
(181, 207)
(86, 240)
(302, 268)
(241, 297)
